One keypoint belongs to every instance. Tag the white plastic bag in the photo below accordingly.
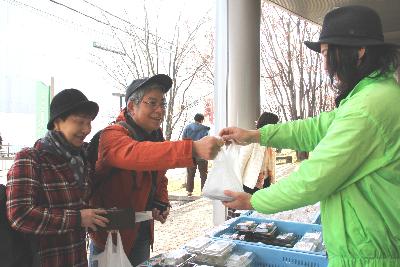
(113, 255)
(224, 175)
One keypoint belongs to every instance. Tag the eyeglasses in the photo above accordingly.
(154, 105)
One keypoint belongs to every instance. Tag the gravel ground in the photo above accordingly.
(193, 219)
(184, 223)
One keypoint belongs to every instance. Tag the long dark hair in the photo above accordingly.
(343, 63)
(267, 118)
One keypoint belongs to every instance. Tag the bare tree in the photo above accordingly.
(292, 74)
(143, 52)
(208, 59)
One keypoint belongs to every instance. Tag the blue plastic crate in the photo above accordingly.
(276, 257)
(283, 226)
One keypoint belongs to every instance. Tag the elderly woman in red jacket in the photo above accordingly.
(48, 185)
(139, 163)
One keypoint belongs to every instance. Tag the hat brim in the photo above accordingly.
(352, 42)
(91, 107)
(164, 80)
(315, 46)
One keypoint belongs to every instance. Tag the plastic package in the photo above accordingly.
(315, 237)
(311, 241)
(234, 236)
(246, 226)
(216, 253)
(305, 246)
(219, 247)
(197, 245)
(176, 257)
(265, 229)
(285, 240)
(240, 258)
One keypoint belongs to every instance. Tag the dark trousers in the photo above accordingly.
(202, 165)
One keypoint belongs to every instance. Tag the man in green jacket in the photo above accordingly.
(354, 168)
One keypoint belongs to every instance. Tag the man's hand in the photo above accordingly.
(240, 136)
(161, 217)
(241, 201)
(90, 218)
(207, 147)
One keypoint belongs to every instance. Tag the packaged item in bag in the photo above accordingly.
(224, 175)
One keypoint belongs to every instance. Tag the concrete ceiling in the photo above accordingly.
(314, 10)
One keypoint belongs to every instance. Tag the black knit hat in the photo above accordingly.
(350, 26)
(162, 79)
(69, 100)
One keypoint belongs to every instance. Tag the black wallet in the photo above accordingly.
(120, 218)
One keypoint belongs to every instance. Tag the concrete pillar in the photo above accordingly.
(244, 63)
(237, 83)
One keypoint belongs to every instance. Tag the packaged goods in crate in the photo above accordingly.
(285, 240)
(265, 228)
(264, 232)
(269, 256)
(216, 253)
(176, 258)
(270, 232)
(234, 236)
(240, 258)
(246, 226)
(310, 242)
(198, 245)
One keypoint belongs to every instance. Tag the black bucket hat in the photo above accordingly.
(350, 26)
(162, 79)
(68, 100)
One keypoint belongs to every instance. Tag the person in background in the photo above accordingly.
(354, 168)
(48, 185)
(267, 173)
(195, 131)
(139, 162)
(257, 163)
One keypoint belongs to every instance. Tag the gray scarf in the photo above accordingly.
(56, 143)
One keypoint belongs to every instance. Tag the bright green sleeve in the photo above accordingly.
(300, 135)
(350, 140)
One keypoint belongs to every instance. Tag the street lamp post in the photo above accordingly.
(121, 96)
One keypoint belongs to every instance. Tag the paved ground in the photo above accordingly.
(191, 220)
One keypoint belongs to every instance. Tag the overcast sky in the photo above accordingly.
(41, 39)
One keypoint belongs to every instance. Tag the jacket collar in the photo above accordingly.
(361, 85)
(141, 134)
